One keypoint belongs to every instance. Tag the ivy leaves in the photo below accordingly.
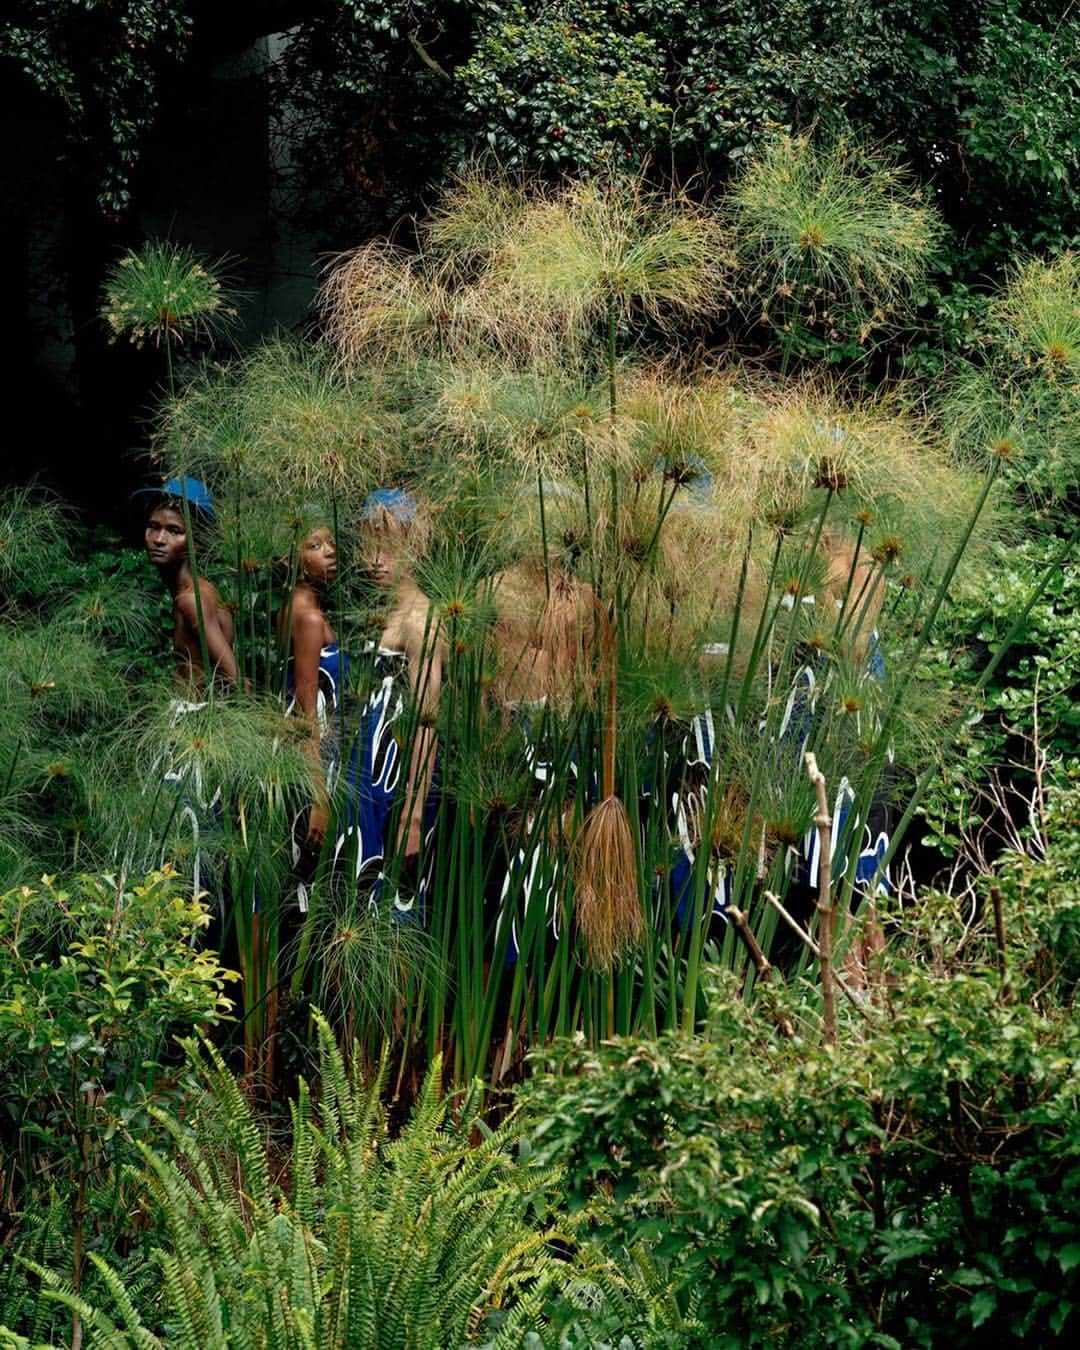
(101, 61)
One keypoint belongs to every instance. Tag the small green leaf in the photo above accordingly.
(1069, 1256)
(982, 1306)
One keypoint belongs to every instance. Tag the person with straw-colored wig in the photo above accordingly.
(850, 598)
(545, 655)
(409, 660)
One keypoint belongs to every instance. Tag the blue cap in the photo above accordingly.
(199, 496)
(395, 501)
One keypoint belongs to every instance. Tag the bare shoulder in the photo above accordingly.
(419, 624)
(518, 592)
(188, 605)
(307, 619)
(585, 596)
(211, 596)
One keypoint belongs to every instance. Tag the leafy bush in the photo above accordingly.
(922, 1180)
(1030, 706)
(98, 980)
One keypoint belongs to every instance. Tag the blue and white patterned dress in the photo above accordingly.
(687, 802)
(371, 764)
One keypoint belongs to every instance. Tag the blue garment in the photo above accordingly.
(687, 800)
(794, 730)
(372, 765)
(686, 812)
(375, 761)
(333, 678)
(176, 785)
(534, 879)
(534, 870)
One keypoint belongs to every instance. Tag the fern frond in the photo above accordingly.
(107, 1335)
(142, 1337)
(303, 1158)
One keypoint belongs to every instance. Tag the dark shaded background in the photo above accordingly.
(78, 406)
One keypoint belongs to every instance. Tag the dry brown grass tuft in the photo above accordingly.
(606, 901)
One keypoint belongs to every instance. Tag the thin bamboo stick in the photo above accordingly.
(826, 916)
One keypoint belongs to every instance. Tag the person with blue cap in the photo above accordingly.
(198, 611)
(198, 615)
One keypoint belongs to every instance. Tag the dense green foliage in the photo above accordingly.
(99, 981)
(101, 63)
(977, 96)
(77, 621)
(1025, 726)
(708, 1162)
(918, 1181)
(425, 1239)
(387, 94)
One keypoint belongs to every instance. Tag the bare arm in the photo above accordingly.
(425, 675)
(863, 583)
(218, 647)
(307, 636)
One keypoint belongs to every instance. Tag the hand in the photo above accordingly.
(317, 823)
(412, 838)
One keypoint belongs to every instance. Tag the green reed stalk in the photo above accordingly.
(10, 776)
(870, 779)
(736, 617)
(661, 516)
(860, 535)
(611, 359)
(339, 616)
(697, 933)
(650, 863)
(593, 581)
(242, 672)
(283, 641)
(543, 525)
(764, 628)
(781, 674)
(939, 596)
(855, 617)
(208, 674)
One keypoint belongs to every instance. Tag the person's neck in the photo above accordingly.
(310, 590)
(177, 577)
(405, 589)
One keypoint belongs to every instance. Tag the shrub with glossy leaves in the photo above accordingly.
(920, 1180)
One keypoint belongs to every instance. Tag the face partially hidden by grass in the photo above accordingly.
(391, 535)
(318, 556)
(635, 549)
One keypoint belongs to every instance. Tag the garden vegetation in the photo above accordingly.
(730, 998)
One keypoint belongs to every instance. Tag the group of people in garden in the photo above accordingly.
(373, 759)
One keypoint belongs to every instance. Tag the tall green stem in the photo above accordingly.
(204, 650)
(192, 564)
(611, 351)
(543, 525)
(1002, 650)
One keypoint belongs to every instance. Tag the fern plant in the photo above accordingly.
(423, 1240)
